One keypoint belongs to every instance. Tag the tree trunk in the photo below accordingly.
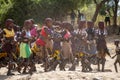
(98, 6)
(96, 13)
(115, 13)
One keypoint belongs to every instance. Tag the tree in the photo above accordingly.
(5, 5)
(37, 9)
(115, 10)
(99, 4)
(40, 9)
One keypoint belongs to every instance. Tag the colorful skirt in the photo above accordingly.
(25, 50)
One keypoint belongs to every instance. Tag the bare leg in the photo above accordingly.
(49, 51)
(25, 66)
(54, 65)
(62, 64)
(98, 64)
(73, 65)
(10, 65)
(109, 23)
(32, 67)
(103, 64)
(24, 70)
(115, 65)
(45, 59)
(89, 67)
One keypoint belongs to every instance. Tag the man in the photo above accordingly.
(107, 18)
(72, 16)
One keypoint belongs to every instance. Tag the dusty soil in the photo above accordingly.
(109, 73)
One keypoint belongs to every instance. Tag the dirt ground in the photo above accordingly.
(109, 73)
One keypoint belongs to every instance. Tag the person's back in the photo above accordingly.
(79, 15)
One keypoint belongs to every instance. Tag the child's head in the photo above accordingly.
(57, 25)
(48, 22)
(9, 23)
(90, 24)
(101, 25)
(32, 21)
(82, 24)
(27, 24)
(116, 42)
(67, 26)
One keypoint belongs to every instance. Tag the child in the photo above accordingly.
(82, 35)
(116, 43)
(25, 51)
(45, 36)
(8, 35)
(91, 48)
(67, 55)
(56, 48)
(101, 45)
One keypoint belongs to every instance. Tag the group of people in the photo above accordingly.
(80, 17)
(54, 44)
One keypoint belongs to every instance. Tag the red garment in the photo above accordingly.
(43, 33)
(33, 32)
(67, 35)
(40, 42)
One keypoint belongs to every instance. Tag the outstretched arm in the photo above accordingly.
(114, 56)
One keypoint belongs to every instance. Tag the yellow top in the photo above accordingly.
(9, 33)
(81, 54)
(56, 55)
(3, 54)
(35, 49)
